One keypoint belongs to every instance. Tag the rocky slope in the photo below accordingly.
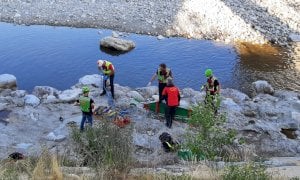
(224, 20)
(269, 121)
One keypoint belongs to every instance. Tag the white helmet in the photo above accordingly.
(100, 63)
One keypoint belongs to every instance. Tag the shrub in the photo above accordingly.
(207, 137)
(44, 167)
(249, 171)
(104, 146)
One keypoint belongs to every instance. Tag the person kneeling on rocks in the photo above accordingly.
(172, 97)
(86, 105)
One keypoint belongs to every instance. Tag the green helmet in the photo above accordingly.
(208, 72)
(85, 89)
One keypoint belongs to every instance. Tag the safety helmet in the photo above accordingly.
(85, 89)
(208, 72)
(100, 63)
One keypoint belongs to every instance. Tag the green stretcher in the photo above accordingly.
(181, 114)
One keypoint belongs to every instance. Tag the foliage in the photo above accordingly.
(104, 146)
(207, 137)
(44, 167)
(249, 171)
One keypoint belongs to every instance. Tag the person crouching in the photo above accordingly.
(172, 97)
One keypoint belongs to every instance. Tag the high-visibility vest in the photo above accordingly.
(106, 69)
(85, 103)
(163, 78)
(210, 87)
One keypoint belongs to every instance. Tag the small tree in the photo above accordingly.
(207, 136)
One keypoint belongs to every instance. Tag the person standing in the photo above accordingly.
(172, 97)
(212, 89)
(108, 71)
(162, 74)
(86, 105)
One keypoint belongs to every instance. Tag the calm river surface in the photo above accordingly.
(59, 56)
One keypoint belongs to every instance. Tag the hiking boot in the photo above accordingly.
(103, 93)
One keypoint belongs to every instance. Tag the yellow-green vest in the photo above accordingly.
(163, 79)
(107, 71)
(85, 104)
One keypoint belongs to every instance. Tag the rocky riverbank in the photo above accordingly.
(268, 122)
(222, 20)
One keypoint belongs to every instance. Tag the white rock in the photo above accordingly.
(94, 79)
(296, 105)
(115, 35)
(17, 15)
(148, 91)
(294, 37)
(69, 95)
(31, 100)
(18, 93)
(155, 97)
(184, 104)
(57, 138)
(51, 99)
(135, 95)
(160, 37)
(23, 147)
(230, 105)
(44, 91)
(296, 116)
(3, 106)
(235, 95)
(117, 44)
(263, 87)
(8, 81)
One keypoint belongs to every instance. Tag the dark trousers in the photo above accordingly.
(170, 115)
(161, 87)
(111, 81)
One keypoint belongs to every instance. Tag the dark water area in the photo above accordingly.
(59, 56)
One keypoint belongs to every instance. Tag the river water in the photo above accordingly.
(59, 56)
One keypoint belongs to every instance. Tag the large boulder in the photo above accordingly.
(230, 105)
(8, 81)
(31, 100)
(18, 93)
(117, 44)
(44, 91)
(69, 95)
(262, 87)
(148, 92)
(235, 95)
(135, 95)
(93, 80)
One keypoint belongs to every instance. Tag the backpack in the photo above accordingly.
(167, 141)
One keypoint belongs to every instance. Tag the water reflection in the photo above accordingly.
(265, 62)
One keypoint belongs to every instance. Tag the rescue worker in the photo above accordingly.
(108, 71)
(162, 74)
(172, 97)
(86, 105)
(212, 88)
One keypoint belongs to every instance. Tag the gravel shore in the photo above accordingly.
(253, 21)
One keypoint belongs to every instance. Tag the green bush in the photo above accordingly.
(207, 136)
(104, 146)
(249, 171)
